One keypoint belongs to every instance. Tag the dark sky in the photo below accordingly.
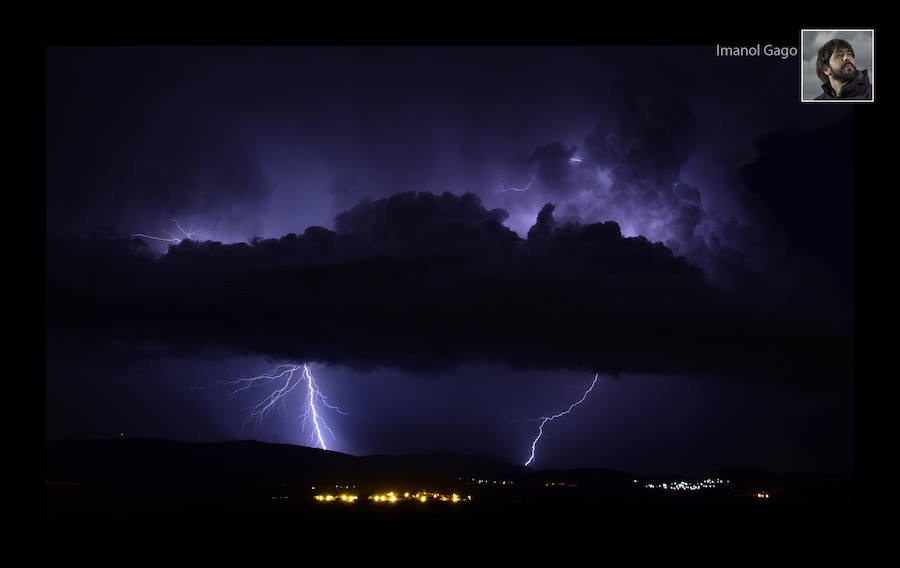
(382, 214)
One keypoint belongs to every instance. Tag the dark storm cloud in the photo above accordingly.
(553, 170)
(651, 138)
(426, 282)
(346, 191)
(132, 142)
(629, 170)
(416, 224)
(139, 136)
(644, 148)
(823, 195)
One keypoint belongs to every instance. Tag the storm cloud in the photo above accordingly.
(629, 169)
(129, 158)
(256, 141)
(421, 281)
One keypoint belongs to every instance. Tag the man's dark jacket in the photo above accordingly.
(859, 88)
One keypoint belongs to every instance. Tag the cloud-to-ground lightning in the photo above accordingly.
(170, 238)
(286, 378)
(544, 419)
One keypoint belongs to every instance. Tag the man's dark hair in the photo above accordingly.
(825, 53)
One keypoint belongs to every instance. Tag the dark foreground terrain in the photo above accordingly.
(161, 479)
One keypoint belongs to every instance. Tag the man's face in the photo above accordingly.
(842, 65)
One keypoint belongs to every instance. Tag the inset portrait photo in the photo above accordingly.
(837, 65)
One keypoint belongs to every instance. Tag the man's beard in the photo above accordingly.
(842, 75)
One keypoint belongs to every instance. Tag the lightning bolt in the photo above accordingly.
(509, 187)
(286, 378)
(545, 419)
(170, 238)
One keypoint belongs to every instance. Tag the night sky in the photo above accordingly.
(457, 240)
